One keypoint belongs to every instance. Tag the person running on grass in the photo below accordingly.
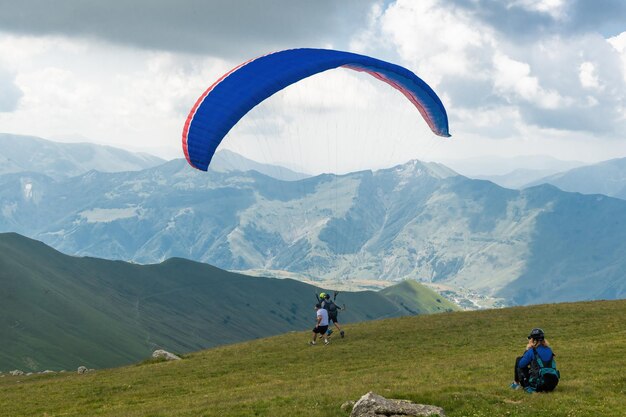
(321, 324)
(333, 310)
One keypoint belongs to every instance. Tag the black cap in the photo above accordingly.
(536, 334)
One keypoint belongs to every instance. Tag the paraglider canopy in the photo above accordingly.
(233, 95)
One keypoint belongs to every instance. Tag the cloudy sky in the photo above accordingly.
(518, 77)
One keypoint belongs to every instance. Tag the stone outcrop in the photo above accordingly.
(16, 372)
(164, 354)
(373, 405)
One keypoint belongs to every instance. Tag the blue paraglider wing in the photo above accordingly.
(238, 91)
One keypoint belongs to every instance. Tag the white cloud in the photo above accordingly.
(435, 40)
(588, 76)
(476, 64)
(10, 93)
(619, 43)
(507, 72)
(554, 8)
(114, 95)
(512, 79)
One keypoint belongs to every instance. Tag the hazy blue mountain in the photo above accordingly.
(225, 161)
(59, 312)
(518, 178)
(512, 172)
(497, 165)
(416, 220)
(608, 177)
(20, 153)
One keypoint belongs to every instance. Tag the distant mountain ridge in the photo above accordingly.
(60, 160)
(58, 311)
(517, 179)
(607, 177)
(19, 153)
(225, 161)
(512, 172)
(499, 165)
(419, 221)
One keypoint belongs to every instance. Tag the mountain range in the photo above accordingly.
(511, 172)
(365, 229)
(59, 312)
(607, 177)
(226, 161)
(19, 153)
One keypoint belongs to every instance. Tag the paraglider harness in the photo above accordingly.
(332, 309)
(543, 375)
(330, 306)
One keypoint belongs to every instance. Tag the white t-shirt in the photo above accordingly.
(322, 312)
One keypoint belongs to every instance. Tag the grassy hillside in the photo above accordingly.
(59, 312)
(411, 295)
(461, 361)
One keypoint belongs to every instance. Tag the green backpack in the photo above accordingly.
(543, 375)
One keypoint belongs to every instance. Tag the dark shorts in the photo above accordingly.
(333, 319)
(320, 329)
(521, 374)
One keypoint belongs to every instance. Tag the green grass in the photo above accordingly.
(461, 361)
(412, 295)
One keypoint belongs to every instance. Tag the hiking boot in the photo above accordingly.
(530, 390)
(326, 342)
(312, 343)
(342, 334)
(515, 385)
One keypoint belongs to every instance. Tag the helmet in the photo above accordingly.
(536, 334)
(322, 295)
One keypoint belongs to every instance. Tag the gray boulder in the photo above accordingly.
(164, 354)
(16, 372)
(373, 405)
(82, 370)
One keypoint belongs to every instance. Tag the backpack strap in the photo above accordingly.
(540, 361)
(537, 358)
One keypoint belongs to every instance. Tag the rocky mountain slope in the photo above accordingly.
(418, 221)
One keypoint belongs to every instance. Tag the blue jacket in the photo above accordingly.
(544, 352)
